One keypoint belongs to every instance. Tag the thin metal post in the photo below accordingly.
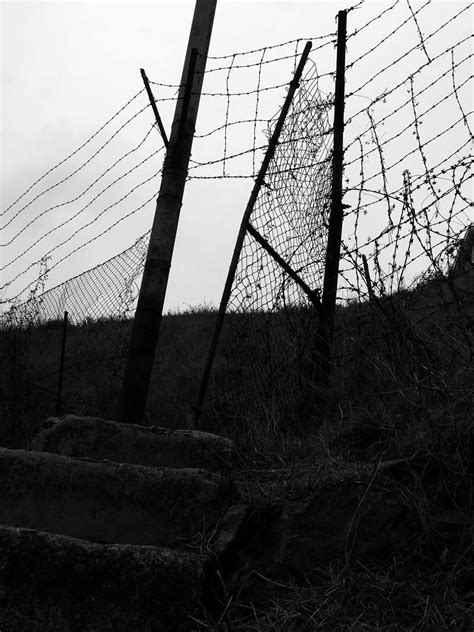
(368, 282)
(244, 227)
(154, 107)
(322, 357)
(61, 366)
(146, 325)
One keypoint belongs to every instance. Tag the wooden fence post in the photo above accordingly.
(146, 325)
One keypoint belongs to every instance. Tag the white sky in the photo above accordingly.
(68, 66)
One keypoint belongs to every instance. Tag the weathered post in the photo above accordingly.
(146, 325)
(333, 250)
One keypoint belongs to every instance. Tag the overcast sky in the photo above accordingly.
(67, 67)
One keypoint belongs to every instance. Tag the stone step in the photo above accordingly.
(108, 502)
(368, 521)
(129, 443)
(53, 582)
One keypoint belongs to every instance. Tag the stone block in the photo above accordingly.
(108, 502)
(130, 443)
(56, 583)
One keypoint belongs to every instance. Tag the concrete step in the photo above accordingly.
(108, 502)
(56, 583)
(129, 443)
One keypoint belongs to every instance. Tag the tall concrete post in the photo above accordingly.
(146, 325)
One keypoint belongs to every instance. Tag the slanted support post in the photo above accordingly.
(151, 98)
(146, 324)
(246, 227)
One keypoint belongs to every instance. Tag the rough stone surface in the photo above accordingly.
(350, 521)
(105, 501)
(55, 583)
(343, 521)
(129, 443)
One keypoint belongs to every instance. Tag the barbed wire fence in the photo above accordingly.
(408, 199)
(264, 310)
(408, 169)
(101, 301)
(406, 186)
(68, 215)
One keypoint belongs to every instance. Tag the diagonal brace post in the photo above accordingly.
(154, 108)
(313, 295)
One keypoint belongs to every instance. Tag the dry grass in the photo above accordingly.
(402, 385)
(358, 599)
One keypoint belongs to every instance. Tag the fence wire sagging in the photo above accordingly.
(408, 162)
(99, 304)
(88, 189)
(70, 217)
(76, 211)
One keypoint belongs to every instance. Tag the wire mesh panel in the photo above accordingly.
(264, 367)
(99, 304)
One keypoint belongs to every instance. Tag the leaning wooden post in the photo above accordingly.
(244, 228)
(146, 325)
(333, 250)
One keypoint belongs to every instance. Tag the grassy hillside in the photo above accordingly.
(398, 362)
